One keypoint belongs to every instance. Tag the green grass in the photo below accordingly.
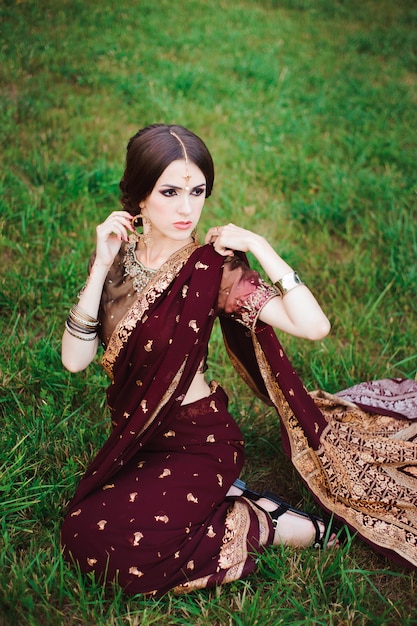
(309, 109)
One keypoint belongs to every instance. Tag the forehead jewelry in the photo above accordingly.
(187, 174)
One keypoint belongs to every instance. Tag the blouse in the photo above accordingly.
(242, 295)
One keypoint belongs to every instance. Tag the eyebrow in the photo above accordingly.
(177, 187)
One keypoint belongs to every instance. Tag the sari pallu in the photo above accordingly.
(150, 371)
(360, 466)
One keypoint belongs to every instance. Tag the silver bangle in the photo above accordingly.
(288, 282)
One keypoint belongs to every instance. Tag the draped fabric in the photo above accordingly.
(164, 521)
(151, 370)
(151, 510)
(395, 396)
(361, 466)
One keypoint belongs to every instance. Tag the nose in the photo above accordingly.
(185, 205)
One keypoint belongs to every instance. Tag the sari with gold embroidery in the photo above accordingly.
(356, 451)
(151, 510)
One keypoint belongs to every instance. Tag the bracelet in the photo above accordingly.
(89, 337)
(288, 282)
(79, 328)
(81, 325)
(80, 322)
(81, 315)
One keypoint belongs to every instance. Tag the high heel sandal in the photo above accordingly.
(283, 507)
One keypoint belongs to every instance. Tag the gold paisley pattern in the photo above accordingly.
(365, 470)
(171, 493)
(233, 552)
(208, 549)
(236, 545)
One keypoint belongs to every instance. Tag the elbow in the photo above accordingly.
(74, 368)
(76, 358)
(72, 365)
(320, 330)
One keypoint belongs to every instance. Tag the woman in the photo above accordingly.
(161, 506)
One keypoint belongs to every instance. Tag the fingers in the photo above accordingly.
(116, 225)
(217, 237)
(225, 239)
(212, 234)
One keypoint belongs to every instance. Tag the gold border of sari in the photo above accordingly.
(154, 289)
(364, 471)
(234, 552)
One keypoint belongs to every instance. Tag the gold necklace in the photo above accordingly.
(140, 274)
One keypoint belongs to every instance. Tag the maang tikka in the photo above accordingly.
(187, 174)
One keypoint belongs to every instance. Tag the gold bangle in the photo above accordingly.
(288, 282)
(79, 328)
(78, 311)
(81, 321)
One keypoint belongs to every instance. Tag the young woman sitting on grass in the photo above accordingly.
(161, 506)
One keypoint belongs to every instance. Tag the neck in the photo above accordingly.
(154, 256)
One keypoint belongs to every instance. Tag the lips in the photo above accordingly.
(183, 225)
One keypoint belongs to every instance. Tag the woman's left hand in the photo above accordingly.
(298, 313)
(226, 239)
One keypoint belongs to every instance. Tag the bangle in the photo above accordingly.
(88, 337)
(82, 316)
(78, 328)
(80, 321)
(288, 282)
(81, 325)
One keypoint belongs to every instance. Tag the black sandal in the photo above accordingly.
(283, 507)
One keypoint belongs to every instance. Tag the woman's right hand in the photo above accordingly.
(78, 354)
(110, 235)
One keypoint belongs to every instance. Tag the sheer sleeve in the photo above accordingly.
(117, 296)
(243, 293)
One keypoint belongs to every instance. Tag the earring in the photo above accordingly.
(141, 220)
(137, 221)
(147, 237)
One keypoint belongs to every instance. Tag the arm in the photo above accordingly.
(78, 354)
(298, 312)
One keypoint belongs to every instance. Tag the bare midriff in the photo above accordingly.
(197, 390)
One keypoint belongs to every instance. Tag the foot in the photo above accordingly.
(292, 527)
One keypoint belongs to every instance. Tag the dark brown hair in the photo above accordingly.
(149, 153)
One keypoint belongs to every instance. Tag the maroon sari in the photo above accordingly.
(152, 511)
(360, 465)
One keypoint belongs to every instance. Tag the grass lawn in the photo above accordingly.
(309, 109)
